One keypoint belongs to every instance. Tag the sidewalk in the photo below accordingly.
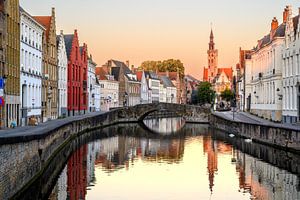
(43, 127)
(245, 117)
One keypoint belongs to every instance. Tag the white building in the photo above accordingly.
(91, 84)
(62, 75)
(31, 69)
(264, 75)
(162, 93)
(171, 90)
(109, 89)
(97, 96)
(133, 89)
(291, 69)
(144, 87)
(153, 83)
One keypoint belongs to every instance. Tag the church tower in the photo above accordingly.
(212, 55)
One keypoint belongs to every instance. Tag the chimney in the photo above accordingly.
(285, 14)
(127, 63)
(274, 24)
(61, 32)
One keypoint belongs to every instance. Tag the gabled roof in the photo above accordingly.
(68, 42)
(279, 32)
(101, 73)
(227, 71)
(115, 71)
(171, 75)
(166, 81)
(151, 75)
(44, 21)
(191, 78)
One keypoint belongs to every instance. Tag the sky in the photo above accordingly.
(140, 30)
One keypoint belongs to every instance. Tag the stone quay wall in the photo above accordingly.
(25, 152)
(280, 136)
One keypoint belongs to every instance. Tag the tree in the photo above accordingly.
(227, 95)
(205, 93)
(170, 65)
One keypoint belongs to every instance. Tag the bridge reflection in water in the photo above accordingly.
(198, 163)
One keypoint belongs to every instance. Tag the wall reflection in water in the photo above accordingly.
(189, 167)
(165, 125)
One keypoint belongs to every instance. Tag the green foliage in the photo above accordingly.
(170, 65)
(227, 95)
(205, 93)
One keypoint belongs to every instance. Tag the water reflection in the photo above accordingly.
(165, 125)
(191, 167)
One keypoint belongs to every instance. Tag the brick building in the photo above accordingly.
(49, 68)
(77, 75)
(10, 62)
(220, 78)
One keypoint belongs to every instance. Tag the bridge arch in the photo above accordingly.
(198, 114)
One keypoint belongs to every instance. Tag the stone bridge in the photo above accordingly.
(193, 114)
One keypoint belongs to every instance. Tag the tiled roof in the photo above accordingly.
(115, 71)
(227, 71)
(101, 73)
(191, 78)
(172, 75)
(151, 75)
(45, 21)
(68, 43)
(166, 81)
(280, 32)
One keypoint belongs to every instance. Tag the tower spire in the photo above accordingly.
(211, 43)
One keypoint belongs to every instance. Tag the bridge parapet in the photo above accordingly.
(196, 114)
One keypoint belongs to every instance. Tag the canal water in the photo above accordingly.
(186, 161)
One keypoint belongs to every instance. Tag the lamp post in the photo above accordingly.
(49, 99)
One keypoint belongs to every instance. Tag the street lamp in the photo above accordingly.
(49, 93)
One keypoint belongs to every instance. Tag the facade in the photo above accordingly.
(220, 78)
(62, 76)
(10, 63)
(133, 89)
(91, 84)
(129, 86)
(162, 92)
(291, 69)
(109, 89)
(191, 88)
(168, 91)
(241, 86)
(3, 8)
(265, 74)
(77, 75)
(98, 96)
(49, 68)
(154, 86)
(144, 87)
(31, 69)
(179, 83)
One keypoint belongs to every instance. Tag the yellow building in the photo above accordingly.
(10, 61)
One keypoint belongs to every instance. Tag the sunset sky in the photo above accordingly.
(139, 30)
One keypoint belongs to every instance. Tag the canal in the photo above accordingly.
(184, 161)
